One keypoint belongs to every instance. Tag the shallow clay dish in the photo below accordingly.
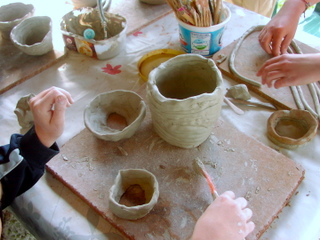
(134, 193)
(126, 108)
(290, 129)
(12, 14)
(33, 35)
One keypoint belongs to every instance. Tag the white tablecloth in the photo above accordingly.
(51, 211)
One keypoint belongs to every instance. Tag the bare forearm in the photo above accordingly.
(296, 6)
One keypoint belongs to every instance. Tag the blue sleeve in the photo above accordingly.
(22, 163)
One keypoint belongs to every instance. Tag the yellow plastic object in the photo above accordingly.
(153, 59)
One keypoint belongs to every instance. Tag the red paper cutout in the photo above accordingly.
(112, 70)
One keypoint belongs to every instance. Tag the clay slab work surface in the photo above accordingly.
(88, 166)
(248, 60)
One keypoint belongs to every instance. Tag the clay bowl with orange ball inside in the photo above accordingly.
(115, 115)
(134, 193)
(291, 128)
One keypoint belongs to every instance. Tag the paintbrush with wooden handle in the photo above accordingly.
(200, 169)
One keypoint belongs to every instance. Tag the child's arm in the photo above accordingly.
(22, 161)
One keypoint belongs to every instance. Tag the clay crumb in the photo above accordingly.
(122, 151)
(221, 58)
(219, 143)
(248, 196)
(64, 157)
(101, 196)
(215, 165)
(154, 143)
(230, 150)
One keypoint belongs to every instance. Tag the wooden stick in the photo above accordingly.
(185, 16)
(217, 11)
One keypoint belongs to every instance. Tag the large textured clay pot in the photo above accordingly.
(185, 95)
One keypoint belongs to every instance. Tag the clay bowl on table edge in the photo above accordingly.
(33, 35)
(12, 14)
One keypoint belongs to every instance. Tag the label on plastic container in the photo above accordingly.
(205, 42)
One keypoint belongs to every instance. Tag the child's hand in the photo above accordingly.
(225, 218)
(48, 108)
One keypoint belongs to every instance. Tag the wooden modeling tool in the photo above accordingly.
(233, 107)
(200, 169)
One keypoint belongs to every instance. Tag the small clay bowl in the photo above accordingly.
(128, 108)
(12, 14)
(134, 194)
(33, 35)
(291, 128)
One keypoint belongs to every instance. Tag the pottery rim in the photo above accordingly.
(302, 117)
(38, 31)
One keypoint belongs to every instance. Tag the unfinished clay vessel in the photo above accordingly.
(23, 112)
(154, 2)
(12, 14)
(185, 95)
(290, 129)
(134, 193)
(33, 35)
(126, 104)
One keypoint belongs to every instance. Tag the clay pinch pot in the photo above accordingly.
(185, 95)
(33, 35)
(134, 193)
(291, 128)
(126, 108)
(12, 14)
